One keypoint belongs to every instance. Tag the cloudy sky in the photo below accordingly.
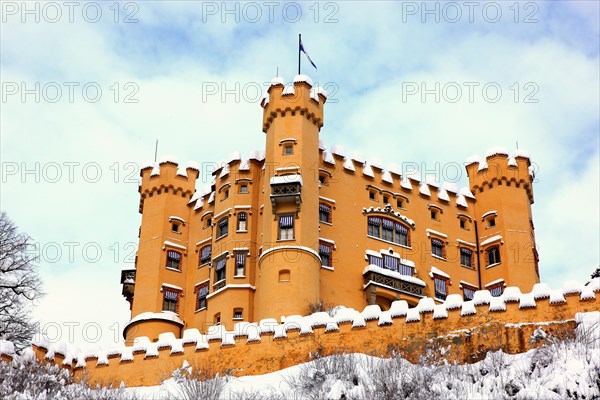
(87, 90)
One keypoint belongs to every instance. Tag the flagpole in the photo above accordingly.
(299, 41)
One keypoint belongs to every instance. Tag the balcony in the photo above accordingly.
(286, 189)
(128, 282)
(393, 280)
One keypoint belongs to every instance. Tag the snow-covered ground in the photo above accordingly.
(567, 368)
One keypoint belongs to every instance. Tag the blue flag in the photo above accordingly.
(306, 54)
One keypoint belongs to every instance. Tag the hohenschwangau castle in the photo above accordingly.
(298, 226)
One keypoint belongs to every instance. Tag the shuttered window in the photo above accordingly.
(466, 257)
(170, 298)
(437, 247)
(205, 254)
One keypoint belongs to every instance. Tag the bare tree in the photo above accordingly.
(20, 284)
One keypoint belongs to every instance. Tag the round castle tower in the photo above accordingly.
(165, 191)
(503, 187)
(289, 265)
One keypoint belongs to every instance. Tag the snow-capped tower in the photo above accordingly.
(165, 190)
(503, 186)
(289, 264)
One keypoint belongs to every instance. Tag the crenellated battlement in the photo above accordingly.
(167, 176)
(499, 168)
(301, 97)
(471, 327)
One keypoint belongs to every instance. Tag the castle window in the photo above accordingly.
(201, 294)
(324, 213)
(220, 269)
(492, 222)
(401, 236)
(205, 254)
(399, 203)
(225, 194)
(217, 319)
(391, 263)
(223, 227)
(288, 149)
(374, 224)
(325, 253)
(434, 215)
(173, 260)
(496, 290)
(238, 313)
(243, 188)
(441, 287)
(240, 265)
(406, 270)
(323, 179)
(388, 230)
(466, 257)
(208, 222)
(468, 292)
(437, 248)
(463, 224)
(493, 255)
(170, 300)
(175, 228)
(286, 227)
(284, 275)
(242, 222)
(386, 200)
(372, 195)
(377, 261)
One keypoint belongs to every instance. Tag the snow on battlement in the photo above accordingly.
(427, 311)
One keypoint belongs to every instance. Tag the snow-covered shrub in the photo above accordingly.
(25, 379)
(198, 381)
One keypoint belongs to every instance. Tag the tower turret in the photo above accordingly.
(503, 187)
(289, 264)
(162, 257)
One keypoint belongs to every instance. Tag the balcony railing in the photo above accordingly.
(394, 283)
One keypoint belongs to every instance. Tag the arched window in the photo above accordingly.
(173, 260)
(242, 222)
(493, 255)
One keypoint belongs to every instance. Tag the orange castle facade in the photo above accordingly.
(298, 227)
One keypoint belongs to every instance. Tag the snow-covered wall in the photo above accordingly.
(457, 330)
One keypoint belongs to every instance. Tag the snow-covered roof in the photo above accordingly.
(394, 274)
(282, 179)
(439, 272)
(492, 239)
